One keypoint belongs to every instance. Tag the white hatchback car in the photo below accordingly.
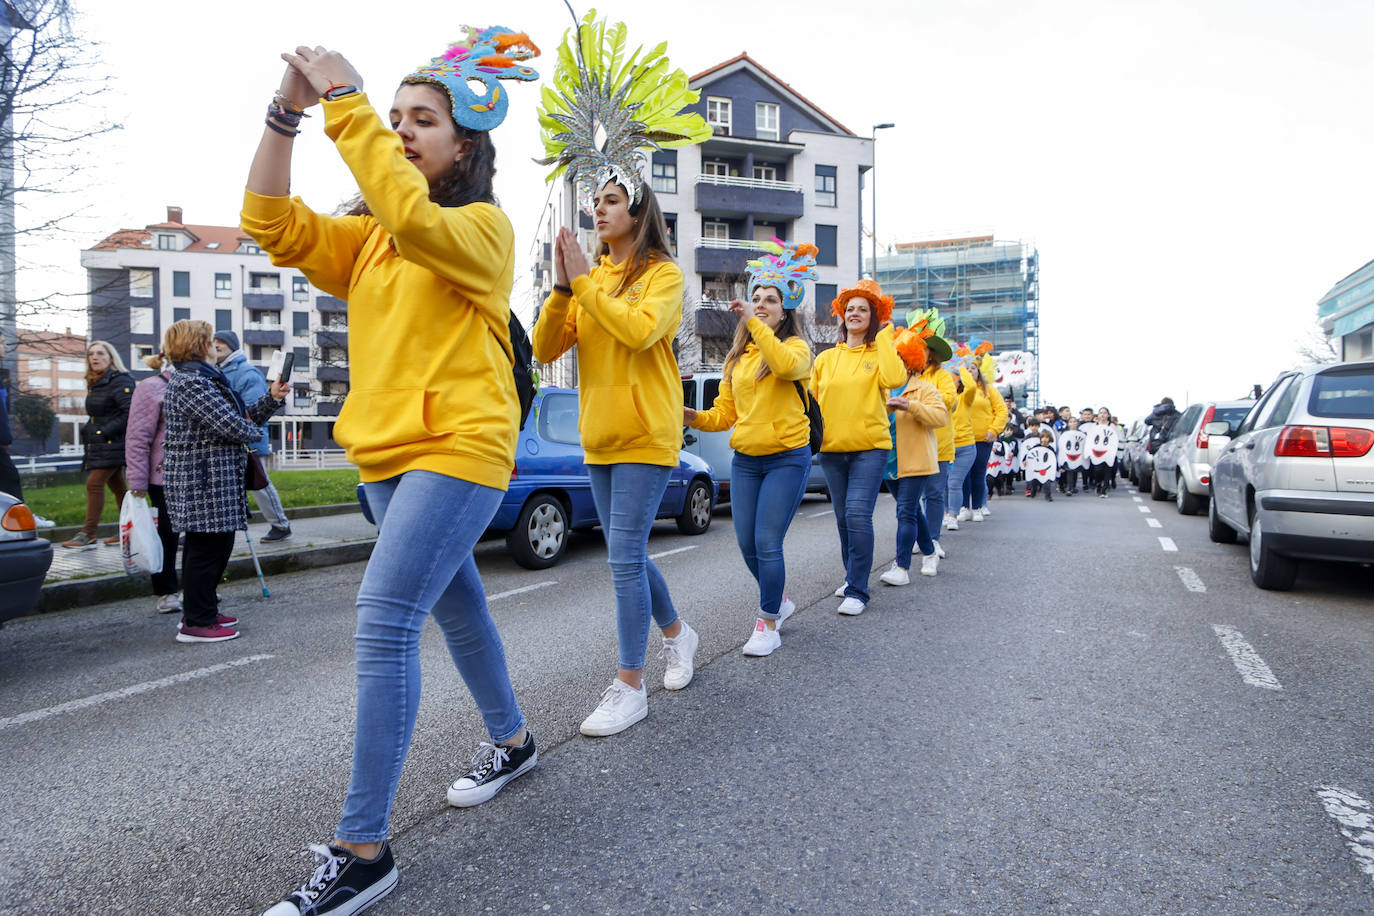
(1183, 464)
(1298, 475)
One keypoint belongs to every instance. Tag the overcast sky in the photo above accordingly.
(1195, 174)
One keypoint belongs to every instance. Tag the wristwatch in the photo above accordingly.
(339, 92)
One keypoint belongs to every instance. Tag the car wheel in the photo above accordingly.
(1142, 481)
(540, 534)
(1218, 531)
(696, 509)
(1156, 491)
(1268, 570)
(1187, 503)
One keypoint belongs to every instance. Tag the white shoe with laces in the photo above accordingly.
(987, 510)
(965, 513)
(896, 576)
(939, 551)
(977, 515)
(929, 564)
(951, 523)
(168, 604)
(786, 609)
(851, 607)
(679, 654)
(621, 706)
(762, 641)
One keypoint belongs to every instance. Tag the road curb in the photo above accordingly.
(109, 529)
(74, 593)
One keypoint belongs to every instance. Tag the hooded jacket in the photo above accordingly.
(767, 414)
(251, 385)
(851, 386)
(145, 438)
(107, 404)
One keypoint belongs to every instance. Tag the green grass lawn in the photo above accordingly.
(66, 505)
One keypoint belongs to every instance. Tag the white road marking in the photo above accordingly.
(1137, 499)
(1143, 508)
(1252, 668)
(819, 514)
(1356, 819)
(1168, 545)
(664, 553)
(1154, 523)
(37, 715)
(521, 590)
(1191, 580)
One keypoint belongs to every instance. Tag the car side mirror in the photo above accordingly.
(1217, 428)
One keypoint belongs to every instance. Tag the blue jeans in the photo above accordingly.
(765, 491)
(976, 483)
(958, 474)
(627, 498)
(854, 479)
(422, 565)
(912, 527)
(934, 499)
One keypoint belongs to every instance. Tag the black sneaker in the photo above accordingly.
(492, 767)
(342, 884)
(276, 534)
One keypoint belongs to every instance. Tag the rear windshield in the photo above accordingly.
(1347, 393)
(1232, 415)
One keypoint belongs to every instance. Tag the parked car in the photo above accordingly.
(1183, 464)
(550, 493)
(24, 559)
(1130, 444)
(1298, 475)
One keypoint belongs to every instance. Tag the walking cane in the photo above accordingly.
(256, 565)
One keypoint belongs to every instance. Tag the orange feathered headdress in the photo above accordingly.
(911, 346)
(870, 290)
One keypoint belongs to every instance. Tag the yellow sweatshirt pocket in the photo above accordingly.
(611, 419)
(381, 422)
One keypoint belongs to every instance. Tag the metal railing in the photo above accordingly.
(310, 459)
(734, 181)
(745, 244)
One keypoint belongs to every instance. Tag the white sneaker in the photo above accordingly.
(168, 604)
(939, 551)
(951, 523)
(987, 510)
(762, 641)
(977, 515)
(621, 706)
(839, 592)
(928, 564)
(851, 607)
(965, 513)
(786, 609)
(42, 522)
(679, 653)
(896, 575)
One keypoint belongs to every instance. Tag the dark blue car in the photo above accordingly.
(550, 492)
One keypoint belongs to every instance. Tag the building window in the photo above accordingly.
(265, 283)
(333, 356)
(139, 352)
(260, 353)
(40, 365)
(166, 241)
(224, 319)
(718, 115)
(265, 318)
(665, 177)
(140, 321)
(825, 241)
(181, 283)
(825, 186)
(300, 324)
(181, 314)
(300, 289)
(765, 173)
(71, 402)
(71, 384)
(715, 229)
(302, 397)
(71, 365)
(670, 219)
(766, 120)
(825, 297)
(335, 321)
(334, 389)
(302, 363)
(715, 167)
(250, 248)
(141, 283)
(224, 288)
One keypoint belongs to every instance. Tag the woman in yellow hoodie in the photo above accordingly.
(851, 382)
(426, 263)
(761, 396)
(987, 414)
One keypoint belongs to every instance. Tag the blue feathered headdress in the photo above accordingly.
(488, 55)
(785, 269)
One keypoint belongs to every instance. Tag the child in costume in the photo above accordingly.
(1073, 456)
(622, 314)
(1041, 463)
(762, 396)
(851, 382)
(1103, 443)
(424, 255)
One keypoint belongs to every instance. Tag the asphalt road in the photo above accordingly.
(1069, 718)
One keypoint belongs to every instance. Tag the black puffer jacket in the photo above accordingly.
(107, 405)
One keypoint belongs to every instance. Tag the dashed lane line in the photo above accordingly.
(1191, 580)
(664, 553)
(1355, 818)
(1252, 668)
(819, 514)
(1168, 545)
(1154, 523)
(1137, 499)
(1143, 508)
(521, 590)
(123, 693)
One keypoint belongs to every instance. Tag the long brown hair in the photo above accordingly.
(870, 335)
(651, 238)
(116, 364)
(786, 330)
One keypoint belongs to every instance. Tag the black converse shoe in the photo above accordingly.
(342, 884)
(492, 767)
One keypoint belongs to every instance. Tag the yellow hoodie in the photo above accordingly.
(918, 449)
(986, 411)
(767, 414)
(944, 383)
(851, 385)
(629, 387)
(428, 290)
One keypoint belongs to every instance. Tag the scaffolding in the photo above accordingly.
(983, 288)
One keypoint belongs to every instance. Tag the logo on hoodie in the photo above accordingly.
(634, 294)
(870, 366)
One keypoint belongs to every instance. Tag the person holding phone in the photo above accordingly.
(423, 255)
(245, 379)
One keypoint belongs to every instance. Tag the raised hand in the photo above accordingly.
(324, 69)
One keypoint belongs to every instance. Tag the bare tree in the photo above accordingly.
(1316, 347)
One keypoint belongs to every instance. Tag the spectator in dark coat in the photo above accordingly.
(203, 471)
(110, 391)
(143, 454)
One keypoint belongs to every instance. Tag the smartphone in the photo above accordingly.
(288, 362)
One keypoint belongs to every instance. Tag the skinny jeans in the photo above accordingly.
(96, 482)
(976, 483)
(913, 529)
(933, 498)
(854, 479)
(765, 492)
(202, 566)
(958, 474)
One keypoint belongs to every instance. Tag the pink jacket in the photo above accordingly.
(145, 433)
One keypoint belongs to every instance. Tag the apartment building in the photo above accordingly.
(52, 365)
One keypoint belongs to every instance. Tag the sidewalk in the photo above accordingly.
(96, 574)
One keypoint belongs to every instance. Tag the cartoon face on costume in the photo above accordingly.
(997, 460)
(1102, 444)
(1040, 463)
(1073, 448)
(1014, 368)
(1029, 442)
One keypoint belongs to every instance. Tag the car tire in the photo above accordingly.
(1218, 531)
(540, 534)
(1187, 503)
(1268, 569)
(696, 509)
(1156, 491)
(1142, 481)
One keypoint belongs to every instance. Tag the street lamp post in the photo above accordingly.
(874, 225)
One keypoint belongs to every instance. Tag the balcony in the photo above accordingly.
(330, 304)
(726, 256)
(331, 373)
(270, 335)
(722, 195)
(331, 337)
(269, 297)
(714, 319)
(328, 407)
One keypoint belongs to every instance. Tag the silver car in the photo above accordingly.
(1298, 476)
(1183, 464)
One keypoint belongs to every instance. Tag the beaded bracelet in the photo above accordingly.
(290, 119)
(288, 105)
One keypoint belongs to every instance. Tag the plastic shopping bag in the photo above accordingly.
(138, 539)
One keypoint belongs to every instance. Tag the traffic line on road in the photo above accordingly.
(1356, 819)
(1191, 580)
(98, 699)
(1168, 545)
(1143, 508)
(521, 590)
(665, 553)
(819, 514)
(1154, 523)
(1252, 668)
(1137, 499)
